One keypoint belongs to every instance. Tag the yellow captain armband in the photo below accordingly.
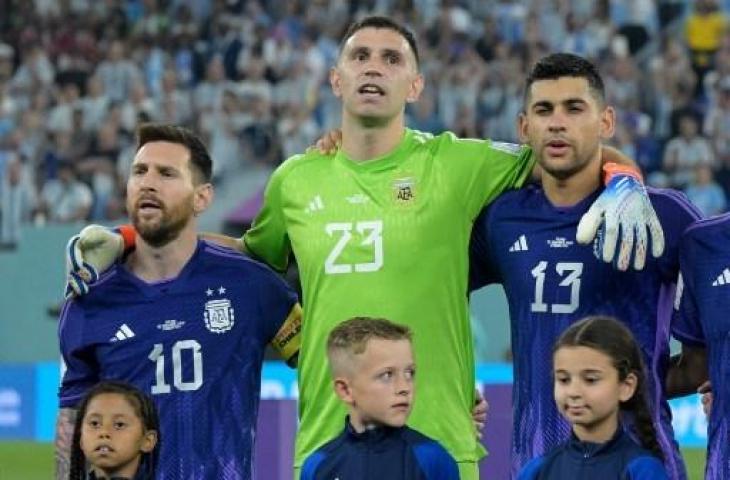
(288, 339)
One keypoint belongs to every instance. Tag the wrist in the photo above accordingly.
(129, 237)
(612, 169)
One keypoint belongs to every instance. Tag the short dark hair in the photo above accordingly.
(200, 160)
(558, 65)
(143, 407)
(375, 21)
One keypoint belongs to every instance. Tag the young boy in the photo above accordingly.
(373, 370)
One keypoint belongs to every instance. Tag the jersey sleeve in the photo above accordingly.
(482, 169)
(267, 239)
(282, 314)
(482, 267)
(435, 461)
(81, 369)
(686, 325)
(646, 468)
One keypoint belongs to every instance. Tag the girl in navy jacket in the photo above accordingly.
(598, 372)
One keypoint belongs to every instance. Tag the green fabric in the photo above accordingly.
(388, 238)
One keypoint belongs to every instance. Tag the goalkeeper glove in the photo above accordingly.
(93, 251)
(622, 214)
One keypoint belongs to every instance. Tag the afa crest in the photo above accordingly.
(404, 190)
(218, 315)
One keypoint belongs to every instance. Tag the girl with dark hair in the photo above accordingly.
(598, 373)
(117, 433)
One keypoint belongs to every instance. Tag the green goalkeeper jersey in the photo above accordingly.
(388, 238)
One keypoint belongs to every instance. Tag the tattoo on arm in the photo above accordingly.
(64, 438)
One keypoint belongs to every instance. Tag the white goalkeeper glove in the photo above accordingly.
(92, 252)
(622, 214)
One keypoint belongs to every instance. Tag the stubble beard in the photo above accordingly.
(160, 232)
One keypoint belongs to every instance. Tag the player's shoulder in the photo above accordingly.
(671, 197)
(299, 162)
(448, 140)
(711, 226)
(526, 197)
(227, 260)
(112, 284)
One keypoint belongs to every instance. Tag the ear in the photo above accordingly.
(414, 93)
(202, 198)
(628, 386)
(149, 441)
(343, 390)
(522, 127)
(608, 123)
(335, 82)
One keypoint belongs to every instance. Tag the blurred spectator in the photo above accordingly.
(704, 30)
(17, 199)
(118, 73)
(717, 123)
(705, 193)
(252, 75)
(65, 199)
(685, 152)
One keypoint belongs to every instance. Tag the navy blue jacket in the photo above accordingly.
(621, 458)
(383, 453)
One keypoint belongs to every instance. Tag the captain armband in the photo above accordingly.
(287, 340)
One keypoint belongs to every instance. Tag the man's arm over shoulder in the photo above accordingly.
(482, 169)
(268, 238)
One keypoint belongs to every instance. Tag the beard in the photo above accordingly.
(166, 227)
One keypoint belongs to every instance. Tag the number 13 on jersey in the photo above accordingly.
(366, 234)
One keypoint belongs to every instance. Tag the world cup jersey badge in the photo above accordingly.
(218, 315)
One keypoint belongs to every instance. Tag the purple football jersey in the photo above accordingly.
(195, 343)
(528, 245)
(703, 318)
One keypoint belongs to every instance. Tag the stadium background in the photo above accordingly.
(76, 76)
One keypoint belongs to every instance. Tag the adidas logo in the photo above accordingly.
(314, 205)
(723, 278)
(520, 245)
(123, 333)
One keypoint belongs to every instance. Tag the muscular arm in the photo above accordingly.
(687, 371)
(64, 439)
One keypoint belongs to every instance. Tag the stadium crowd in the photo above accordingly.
(76, 77)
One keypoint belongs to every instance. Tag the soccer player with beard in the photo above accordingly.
(181, 319)
(525, 241)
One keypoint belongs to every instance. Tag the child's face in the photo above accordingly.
(380, 388)
(588, 391)
(112, 435)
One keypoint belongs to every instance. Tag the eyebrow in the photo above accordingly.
(567, 101)
(368, 50)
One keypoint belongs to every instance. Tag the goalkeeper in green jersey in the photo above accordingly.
(381, 228)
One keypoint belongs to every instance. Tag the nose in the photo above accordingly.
(403, 385)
